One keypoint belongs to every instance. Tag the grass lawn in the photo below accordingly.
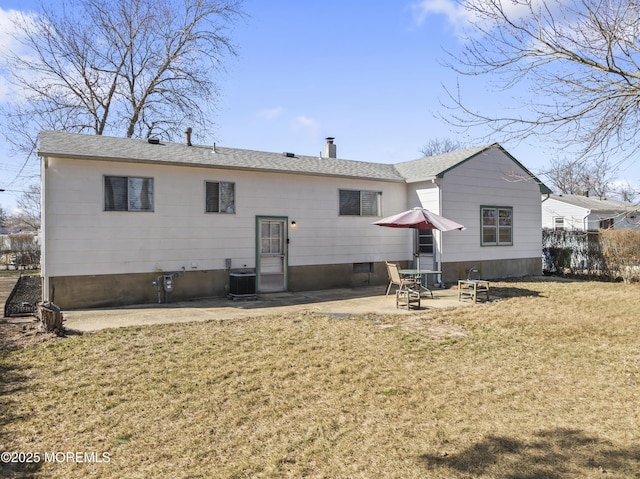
(544, 383)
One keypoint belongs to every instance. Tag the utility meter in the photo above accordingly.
(167, 283)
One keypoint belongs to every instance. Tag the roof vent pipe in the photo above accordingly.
(188, 132)
(330, 148)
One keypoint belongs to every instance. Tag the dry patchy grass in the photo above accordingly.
(542, 384)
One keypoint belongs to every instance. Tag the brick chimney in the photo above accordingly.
(330, 148)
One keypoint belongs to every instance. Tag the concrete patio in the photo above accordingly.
(364, 300)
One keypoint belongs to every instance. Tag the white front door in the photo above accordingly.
(272, 254)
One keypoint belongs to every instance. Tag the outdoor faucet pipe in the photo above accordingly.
(157, 284)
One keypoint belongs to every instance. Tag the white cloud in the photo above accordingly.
(457, 16)
(461, 18)
(306, 124)
(270, 114)
(9, 43)
(7, 30)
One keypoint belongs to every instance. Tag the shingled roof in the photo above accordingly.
(596, 205)
(437, 165)
(96, 147)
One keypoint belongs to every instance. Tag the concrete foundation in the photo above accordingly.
(495, 269)
(309, 278)
(74, 292)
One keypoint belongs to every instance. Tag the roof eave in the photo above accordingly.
(216, 166)
(544, 189)
(426, 179)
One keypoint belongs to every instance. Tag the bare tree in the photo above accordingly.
(626, 192)
(579, 59)
(438, 146)
(28, 213)
(573, 177)
(3, 217)
(134, 68)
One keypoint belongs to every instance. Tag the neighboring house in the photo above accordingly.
(584, 213)
(119, 213)
(19, 247)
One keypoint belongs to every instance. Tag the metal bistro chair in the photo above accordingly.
(472, 286)
(408, 291)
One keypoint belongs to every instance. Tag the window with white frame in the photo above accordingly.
(497, 225)
(360, 203)
(558, 223)
(220, 197)
(128, 193)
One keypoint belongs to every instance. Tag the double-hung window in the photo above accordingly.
(220, 197)
(497, 225)
(360, 203)
(128, 193)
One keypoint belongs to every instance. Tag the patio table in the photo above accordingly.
(418, 274)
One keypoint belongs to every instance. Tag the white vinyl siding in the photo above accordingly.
(81, 241)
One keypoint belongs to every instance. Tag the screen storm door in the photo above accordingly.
(272, 254)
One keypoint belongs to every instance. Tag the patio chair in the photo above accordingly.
(402, 282)
(472, 286)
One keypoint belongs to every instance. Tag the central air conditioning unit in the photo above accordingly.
(242, 285)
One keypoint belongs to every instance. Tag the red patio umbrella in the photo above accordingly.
(419, 218)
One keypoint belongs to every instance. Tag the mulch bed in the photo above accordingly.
(26, 293)
(16, 333)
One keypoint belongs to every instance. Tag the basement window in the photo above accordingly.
(128, 193)
(363, 267)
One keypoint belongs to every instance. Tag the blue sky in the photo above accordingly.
(367, 74)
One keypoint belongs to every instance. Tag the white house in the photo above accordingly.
(584, 213)
(119, 214)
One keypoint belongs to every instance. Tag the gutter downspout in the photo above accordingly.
(44, 269)
(436, 264)
(585, 221)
